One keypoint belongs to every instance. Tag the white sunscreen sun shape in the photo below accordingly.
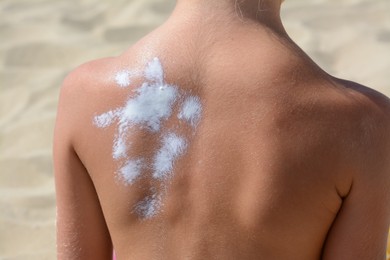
(151, 105)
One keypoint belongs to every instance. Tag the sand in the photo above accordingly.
(42, 40)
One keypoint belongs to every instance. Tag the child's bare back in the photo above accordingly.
(217, 138)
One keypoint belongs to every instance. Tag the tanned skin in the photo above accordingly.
(287, 161)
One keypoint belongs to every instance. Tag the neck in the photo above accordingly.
(266, 12)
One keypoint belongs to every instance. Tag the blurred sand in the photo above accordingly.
(42, 40)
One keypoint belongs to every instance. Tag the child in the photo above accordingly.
(216, 137)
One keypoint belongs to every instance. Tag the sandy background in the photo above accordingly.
(42, 40)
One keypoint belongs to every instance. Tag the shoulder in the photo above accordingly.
(372, 139)
(352, 121)
(80, 95)
(80, 84)
(363, 112)
(374, 108)
(88, 74)
(372, 97)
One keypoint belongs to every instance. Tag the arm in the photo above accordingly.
(361, 227)
(81, 229)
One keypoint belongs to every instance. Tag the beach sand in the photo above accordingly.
(42, 40)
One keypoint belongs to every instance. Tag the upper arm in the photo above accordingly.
(81, 229)
(361, 226)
